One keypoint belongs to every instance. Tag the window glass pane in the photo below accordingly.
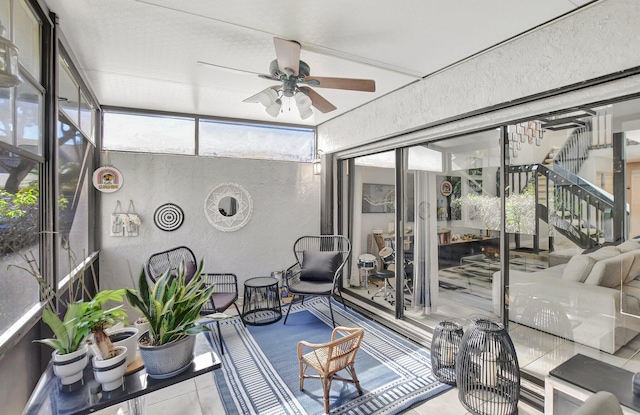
(19, 212)
(29, 118)
(73, 199)
(68, 91)
(255, 141)
(27, 38)
(4, 15)
(87, 117)
(6, 117)
(148, 133)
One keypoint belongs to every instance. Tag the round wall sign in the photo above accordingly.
(446, 188)
(107, 179)
(168, 217)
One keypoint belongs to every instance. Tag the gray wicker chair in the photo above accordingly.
(320, 262)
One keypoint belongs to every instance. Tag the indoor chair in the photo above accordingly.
(318, 268)
(158, 263)
(328, 359)
(225, 294)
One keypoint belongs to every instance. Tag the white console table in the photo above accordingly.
(574, 381)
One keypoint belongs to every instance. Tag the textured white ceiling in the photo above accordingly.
(144, 54)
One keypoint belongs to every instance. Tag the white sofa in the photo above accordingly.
(581, 300)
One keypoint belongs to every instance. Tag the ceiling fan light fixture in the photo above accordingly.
(274, 109)
(8, 61)
(305, 113)
(267, 97)
(302, 101)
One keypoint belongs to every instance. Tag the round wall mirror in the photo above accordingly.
(228, 207)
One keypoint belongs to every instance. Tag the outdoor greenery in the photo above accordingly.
(520, 210)
(172, 306)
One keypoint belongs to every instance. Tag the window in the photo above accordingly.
(73, 198)
(222, 139)
(19, 237)
(148, 133)
(27, 37)
(68, 93)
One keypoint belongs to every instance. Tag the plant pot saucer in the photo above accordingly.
(135, 365)
(170, 374)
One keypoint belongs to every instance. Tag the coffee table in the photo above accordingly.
(261, 303)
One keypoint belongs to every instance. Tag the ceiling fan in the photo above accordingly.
(295, 79)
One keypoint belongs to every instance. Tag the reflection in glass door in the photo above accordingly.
(453, 214)
(371, 219)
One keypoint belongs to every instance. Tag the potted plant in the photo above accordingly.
(172, 307)
(82, 318)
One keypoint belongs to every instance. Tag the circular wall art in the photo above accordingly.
(168, 217)
(228, 207)
(107, 179)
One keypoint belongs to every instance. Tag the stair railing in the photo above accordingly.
(579, 210)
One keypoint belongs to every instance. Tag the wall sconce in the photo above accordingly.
(317, 163)
(8, 61)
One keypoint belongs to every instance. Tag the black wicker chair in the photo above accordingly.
(317, 272)
(158, 263)
(224, 296)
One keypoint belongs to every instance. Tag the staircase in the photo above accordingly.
(572, 206)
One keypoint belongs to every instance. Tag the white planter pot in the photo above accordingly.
(110, 372)
(127, 337)
(68, 367)
(168, 360)
(142, 327)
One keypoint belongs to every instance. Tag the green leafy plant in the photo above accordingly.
(81, 319)
(172, 306)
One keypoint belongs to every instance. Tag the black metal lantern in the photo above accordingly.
(444, 349)
(487, 370)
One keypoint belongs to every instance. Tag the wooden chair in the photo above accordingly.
(317, 272)
(224, 296)
(329, 358)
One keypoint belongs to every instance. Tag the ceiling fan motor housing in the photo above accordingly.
(274, 70)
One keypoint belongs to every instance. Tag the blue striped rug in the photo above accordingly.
(259, 372)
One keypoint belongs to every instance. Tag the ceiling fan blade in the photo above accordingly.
(288, 54)
(352, 84)
(318, 101)
(254, 98)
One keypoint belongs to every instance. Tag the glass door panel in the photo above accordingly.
(371, 193)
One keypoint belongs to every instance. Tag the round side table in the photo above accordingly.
(261, 303)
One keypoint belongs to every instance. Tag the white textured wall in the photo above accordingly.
(286, 205)
(596, 41)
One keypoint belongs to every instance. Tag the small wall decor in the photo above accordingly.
(168, 217)
(117, 224)
(529, 132)
(228, 207)
(378, 198)
(131, 221)
(107, 179)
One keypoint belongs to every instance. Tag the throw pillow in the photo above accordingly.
(630, 245)
(604, 253)
(610, 272)
(578, 268)
(319, 266)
